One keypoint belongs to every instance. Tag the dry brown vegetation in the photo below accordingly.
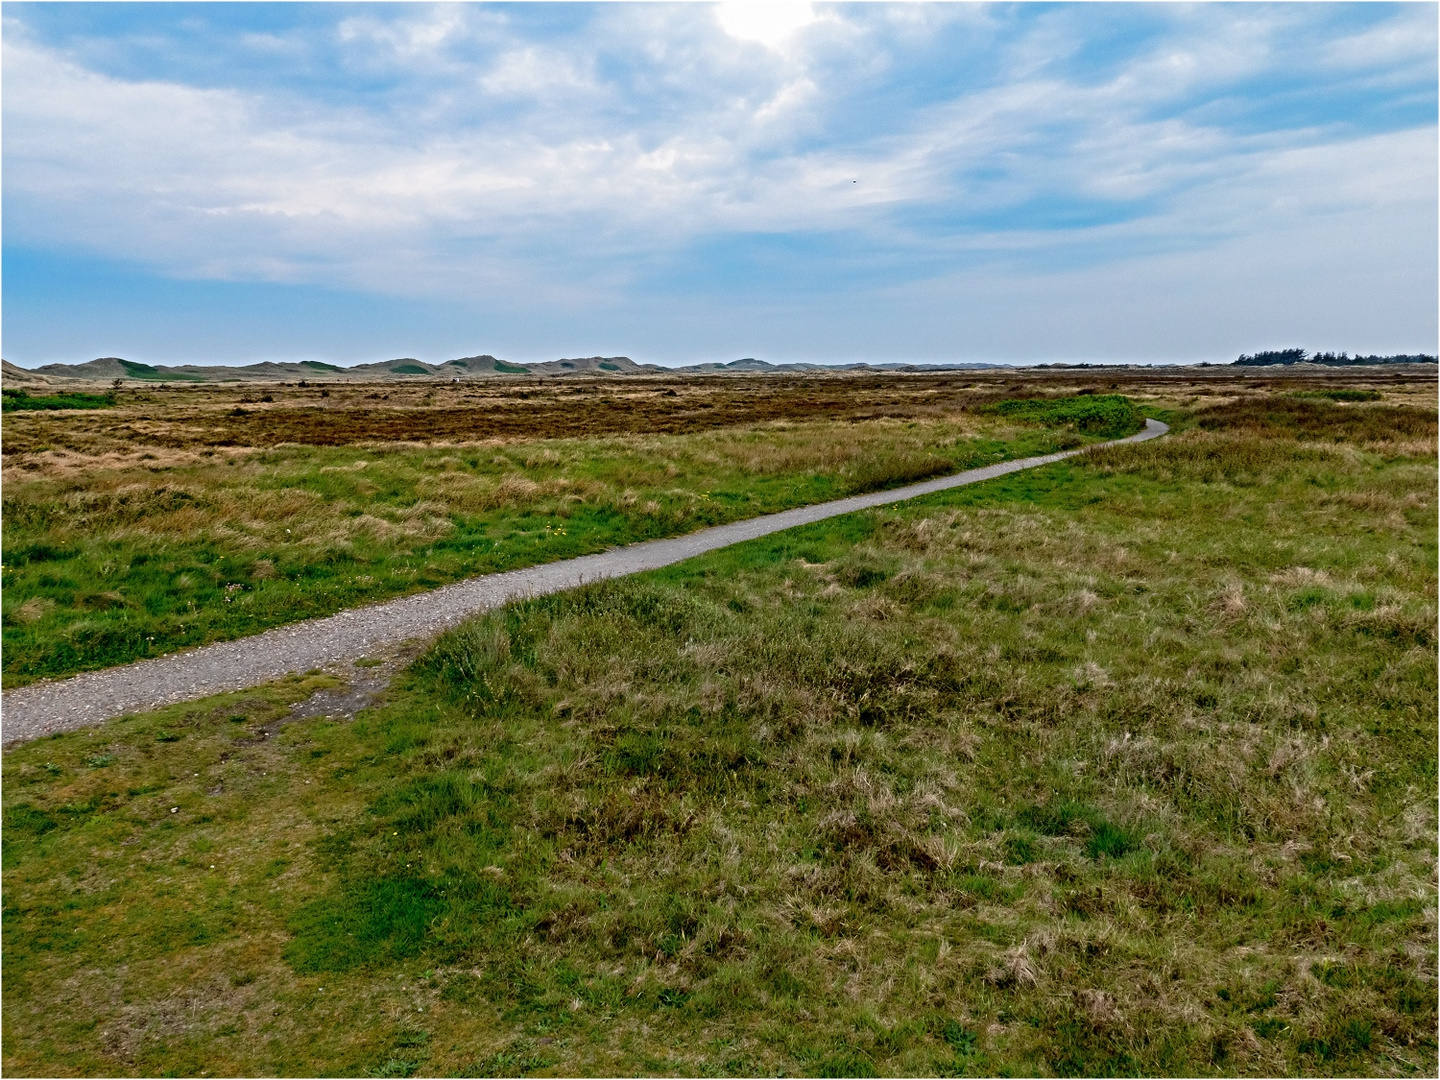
(193, 419)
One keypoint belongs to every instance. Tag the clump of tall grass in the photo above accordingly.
(1293, 417)
(1209, 457)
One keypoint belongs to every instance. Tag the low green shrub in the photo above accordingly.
(1109, 415)
(16, 400)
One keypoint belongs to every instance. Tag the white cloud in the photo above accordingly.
(1399, 44)
(534, 72)
(414, 36)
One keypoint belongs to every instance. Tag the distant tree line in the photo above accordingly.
(1300, 356)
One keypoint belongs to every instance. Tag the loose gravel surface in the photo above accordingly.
(335, 642)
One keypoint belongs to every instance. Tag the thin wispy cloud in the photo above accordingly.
(685, 181)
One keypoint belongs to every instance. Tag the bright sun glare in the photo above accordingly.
(768, 23)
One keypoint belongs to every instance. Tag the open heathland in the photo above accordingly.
(1126, 765)
(179, 516)
(105, 565)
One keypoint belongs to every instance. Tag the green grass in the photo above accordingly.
(15, 400)
(148, 373)
(112, 565)
(1108, 415)
(1124, 766)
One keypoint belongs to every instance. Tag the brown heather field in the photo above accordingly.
(193, 419)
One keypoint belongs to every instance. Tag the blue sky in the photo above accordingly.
(684, 182)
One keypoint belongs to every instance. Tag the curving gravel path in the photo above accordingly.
(89, 698)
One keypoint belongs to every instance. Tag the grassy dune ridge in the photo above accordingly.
(104, 565)
(1123, 766)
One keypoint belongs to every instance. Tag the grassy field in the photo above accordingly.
(110, 562)
(1122, 766)
(176, 516)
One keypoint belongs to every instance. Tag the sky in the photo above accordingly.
(678, 183)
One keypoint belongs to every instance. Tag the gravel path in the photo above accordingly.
(46, 707)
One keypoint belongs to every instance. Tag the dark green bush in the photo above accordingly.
(15, 400)
(1109, 415)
